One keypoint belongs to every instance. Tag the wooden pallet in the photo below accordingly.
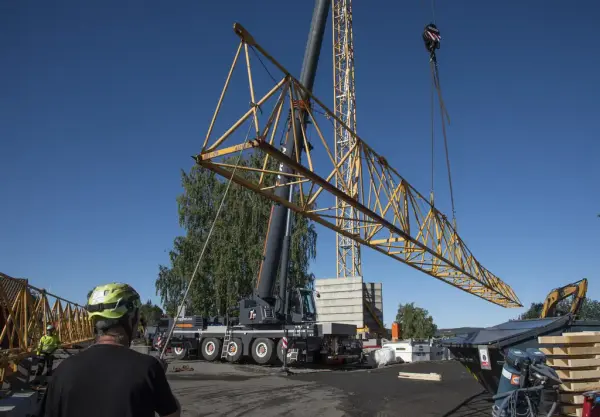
(576, 359)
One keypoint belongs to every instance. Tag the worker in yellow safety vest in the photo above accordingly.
(45, 351)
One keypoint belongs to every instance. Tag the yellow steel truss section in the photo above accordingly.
(348, 250)
(395, 219)
(25, 311)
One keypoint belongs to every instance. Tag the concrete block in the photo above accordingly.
(342, 301)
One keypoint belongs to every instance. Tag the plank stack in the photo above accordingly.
(576, 359)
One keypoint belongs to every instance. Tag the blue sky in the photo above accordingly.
(103, 104)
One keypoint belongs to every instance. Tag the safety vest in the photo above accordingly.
(48, 344)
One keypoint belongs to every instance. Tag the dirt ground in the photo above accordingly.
(247, 390)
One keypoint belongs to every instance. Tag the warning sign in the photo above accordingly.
(484, 358)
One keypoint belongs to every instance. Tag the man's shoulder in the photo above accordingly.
(113, 353)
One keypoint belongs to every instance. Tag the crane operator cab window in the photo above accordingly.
(308, 305)
(303, 305)
(296, 303)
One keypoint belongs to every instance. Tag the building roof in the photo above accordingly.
(9, 289)
(457, 330)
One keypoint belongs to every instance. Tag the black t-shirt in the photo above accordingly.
(108, 381)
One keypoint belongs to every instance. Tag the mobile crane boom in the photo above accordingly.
(267, 323)
(277, 242)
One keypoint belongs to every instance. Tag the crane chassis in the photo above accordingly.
(307, 343)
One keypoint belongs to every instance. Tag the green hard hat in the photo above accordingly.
(112, 301)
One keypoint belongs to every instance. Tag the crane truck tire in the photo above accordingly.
(280, 351)
(263, 350)
(211, 348)
(180, 352)
(234, 350)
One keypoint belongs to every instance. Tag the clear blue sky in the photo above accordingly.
(103, 104)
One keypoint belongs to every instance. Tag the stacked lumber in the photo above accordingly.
(576, 359)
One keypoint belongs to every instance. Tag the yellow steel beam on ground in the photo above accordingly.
(395, 219)
(25, 311)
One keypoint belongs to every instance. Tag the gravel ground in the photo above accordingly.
(247, 390)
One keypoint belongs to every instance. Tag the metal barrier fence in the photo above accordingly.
(25, 311)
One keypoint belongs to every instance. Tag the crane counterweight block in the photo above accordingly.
(389, 215)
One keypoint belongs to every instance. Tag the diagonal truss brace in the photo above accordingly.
(393, 218)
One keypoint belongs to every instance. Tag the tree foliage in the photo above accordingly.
(415, 322)
(150, 313)
(232, 258)
(590, 309)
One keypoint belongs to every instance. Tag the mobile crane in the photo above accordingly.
(269, 322)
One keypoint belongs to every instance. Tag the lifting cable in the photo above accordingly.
(187, 290)
(431, 37)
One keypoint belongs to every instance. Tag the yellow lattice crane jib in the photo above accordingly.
(392, 217)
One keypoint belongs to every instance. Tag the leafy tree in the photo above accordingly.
(415, 322)
(534, 312)
(150, 313)
(232, 258)
(590, 309)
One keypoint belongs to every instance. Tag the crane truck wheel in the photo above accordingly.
(179, 352)
(211, 348)
(234, 350)
(263, 350)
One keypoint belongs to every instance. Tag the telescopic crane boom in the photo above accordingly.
(277, 240)
(269, 327)
(277, 243)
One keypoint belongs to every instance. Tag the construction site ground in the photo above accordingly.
(221, 389)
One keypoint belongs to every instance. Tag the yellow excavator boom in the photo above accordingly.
(577, 289)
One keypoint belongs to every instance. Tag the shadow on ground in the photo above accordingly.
(380, 392)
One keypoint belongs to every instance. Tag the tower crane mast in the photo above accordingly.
(347, 250)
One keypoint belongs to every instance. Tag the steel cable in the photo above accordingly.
(187, 290)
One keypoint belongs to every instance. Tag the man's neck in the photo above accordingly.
(108, 340)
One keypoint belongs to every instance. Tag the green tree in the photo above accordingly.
(590, 309)
(151, 313)
(232, 258)
(534, 312)
(415, 322)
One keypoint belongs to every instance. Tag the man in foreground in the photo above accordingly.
(109, 378)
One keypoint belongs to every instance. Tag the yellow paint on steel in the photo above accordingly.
(347, 155)
(25, 311)
(391, 216)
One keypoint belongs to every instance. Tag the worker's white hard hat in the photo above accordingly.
(49, 327)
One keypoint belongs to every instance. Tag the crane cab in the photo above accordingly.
(301, 306)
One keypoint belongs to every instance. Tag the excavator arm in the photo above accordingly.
(577, 289)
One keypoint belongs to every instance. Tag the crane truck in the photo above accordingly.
(270, 320)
